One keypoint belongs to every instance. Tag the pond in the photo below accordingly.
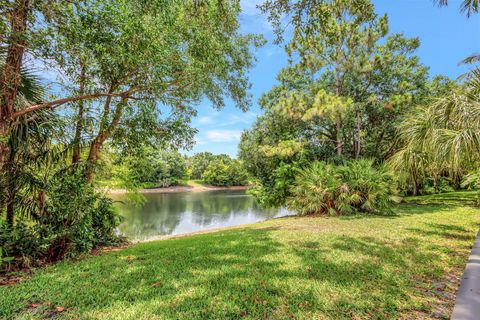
(185, 212)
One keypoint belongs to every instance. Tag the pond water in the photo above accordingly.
(177, 213)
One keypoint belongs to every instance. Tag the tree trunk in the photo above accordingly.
(357, 135)
(339, 148)
(93, 155)
(103, 134)
(79, 124)
(415, 189)
(10, 198)
(10, 212)
(10, 77)
(338, 123)
(41, 199)
(4, 136)
(415, 186)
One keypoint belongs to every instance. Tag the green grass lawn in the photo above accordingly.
(194, 183)
(406, 266)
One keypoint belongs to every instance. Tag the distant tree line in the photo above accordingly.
(151, 167)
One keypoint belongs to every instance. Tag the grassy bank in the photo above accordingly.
(399, 267)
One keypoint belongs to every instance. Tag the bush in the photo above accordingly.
(275, 193)
(75, 220)
(341, 190)
(21, 246)
(219, 173)
(199, 163)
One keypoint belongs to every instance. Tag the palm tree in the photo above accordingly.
(30, 148)
(443, 137)
(468, 7)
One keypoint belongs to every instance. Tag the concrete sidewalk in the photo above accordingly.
(467, 303)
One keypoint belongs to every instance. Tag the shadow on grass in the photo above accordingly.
(448, 231)
(457, 198)
(402, 210)
(245, 273)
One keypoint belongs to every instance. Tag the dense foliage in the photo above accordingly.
(225, 173)
(441, 140)
(199, 162)
(333, 190)
(74, 219)
(148, 167)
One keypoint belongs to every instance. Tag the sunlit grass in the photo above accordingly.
(394, 267)
(449, 198)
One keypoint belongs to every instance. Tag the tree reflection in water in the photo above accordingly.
(177, 213)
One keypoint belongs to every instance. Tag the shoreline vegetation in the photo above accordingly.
(190, 187)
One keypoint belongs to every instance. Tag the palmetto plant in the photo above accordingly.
(341, 190)
(31, 150)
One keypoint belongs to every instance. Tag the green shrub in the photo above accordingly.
(274, 194)
(21, 245)
(75, 219)
(341, 190)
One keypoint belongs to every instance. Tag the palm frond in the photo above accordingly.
(474, 58)
(467, 7)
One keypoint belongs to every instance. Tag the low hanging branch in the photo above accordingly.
(59, 102)
(128, 94)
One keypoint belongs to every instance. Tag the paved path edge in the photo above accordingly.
(467, 303)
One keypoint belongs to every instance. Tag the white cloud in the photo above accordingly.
(205, 120)
(223, 135)
(225, 120)
(246, 118)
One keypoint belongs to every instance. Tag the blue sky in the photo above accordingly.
(446, 37)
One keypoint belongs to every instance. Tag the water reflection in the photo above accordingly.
(177, 213)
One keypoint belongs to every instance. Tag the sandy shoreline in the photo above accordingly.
(177, 189)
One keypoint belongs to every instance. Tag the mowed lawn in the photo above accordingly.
(406, 266)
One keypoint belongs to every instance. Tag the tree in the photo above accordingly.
(225, 172)
(271, 154)
(347, 91)
(29, 149)
(22, 34)
(468, 7)
(348, 73)
(170, 55)
(336, 38)
(146, 168)
(441, 138)
(198, 163)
